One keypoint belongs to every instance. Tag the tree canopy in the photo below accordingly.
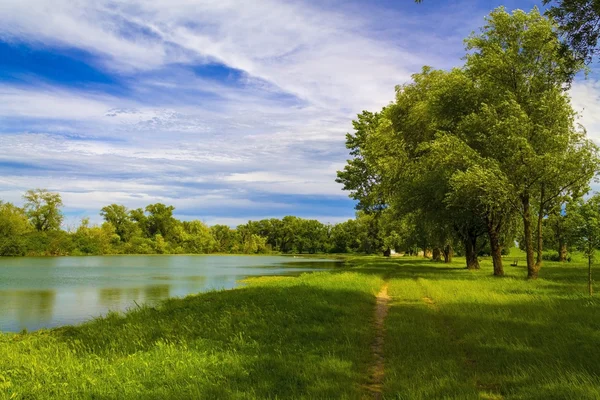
(463, 153)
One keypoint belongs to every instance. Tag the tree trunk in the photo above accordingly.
(471, 252)
(562, 250)
(494, 236)
(387, 252)
(590, 288)
(531, 270)
(437, 254)
(448, 253)
(540, 240)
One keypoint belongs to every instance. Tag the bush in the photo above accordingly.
(13, 247)
(552, 255)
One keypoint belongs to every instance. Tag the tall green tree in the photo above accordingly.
(359, 175)
(43, 209)
(520, 65)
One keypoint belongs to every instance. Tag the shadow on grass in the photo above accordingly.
(479, 341)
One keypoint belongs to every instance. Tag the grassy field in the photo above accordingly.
(450, 333)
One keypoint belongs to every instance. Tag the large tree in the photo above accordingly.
(520, 65)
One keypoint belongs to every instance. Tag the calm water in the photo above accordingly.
(38, 292)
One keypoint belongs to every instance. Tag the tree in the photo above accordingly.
(43, 209)
(224, 237)
(520, 65)
(197, 237)
(483, 190)
(141, 221)
(160, 220)
(359, 176)
(579, 22)
(95, 239)
(463, 151)
(560, 229)
(13, 226)
(587, 215)
(417, 148)
(119, 217)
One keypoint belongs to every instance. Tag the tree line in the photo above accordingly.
(485, 154)
(36, 229)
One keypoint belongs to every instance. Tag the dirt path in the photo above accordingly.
(377, 369)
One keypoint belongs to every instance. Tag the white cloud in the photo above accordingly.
(585, 98)
(49, 103)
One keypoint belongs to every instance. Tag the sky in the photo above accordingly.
(229, 110)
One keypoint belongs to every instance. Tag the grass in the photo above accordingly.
(450, 333)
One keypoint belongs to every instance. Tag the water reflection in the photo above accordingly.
(31, 308)
(48, 292)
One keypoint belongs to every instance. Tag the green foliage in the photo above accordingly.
(586, 216)
(155, 230)
(119, 217)
(460, 154)
(359, 176)
(579, 22)
(95, 239)
(14, 225)
(51, 243)
(43, 209)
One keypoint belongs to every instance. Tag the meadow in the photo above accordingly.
(449, 333)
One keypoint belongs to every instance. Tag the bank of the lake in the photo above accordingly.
(44, 292)
(449, 333)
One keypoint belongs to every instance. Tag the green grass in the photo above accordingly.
(467, 335)
(450, 333)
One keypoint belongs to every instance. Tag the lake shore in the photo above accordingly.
(48, 292)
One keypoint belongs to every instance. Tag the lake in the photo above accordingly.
(44, 292)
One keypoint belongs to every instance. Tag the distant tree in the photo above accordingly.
(43, 209)
(224, 237)
(560, 229)
(160, 220)
(587, 214)
(198, 237)
(119, 217)
(13, 226)
(140, 219)
(93, 239)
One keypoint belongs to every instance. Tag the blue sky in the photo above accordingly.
(227, 110)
